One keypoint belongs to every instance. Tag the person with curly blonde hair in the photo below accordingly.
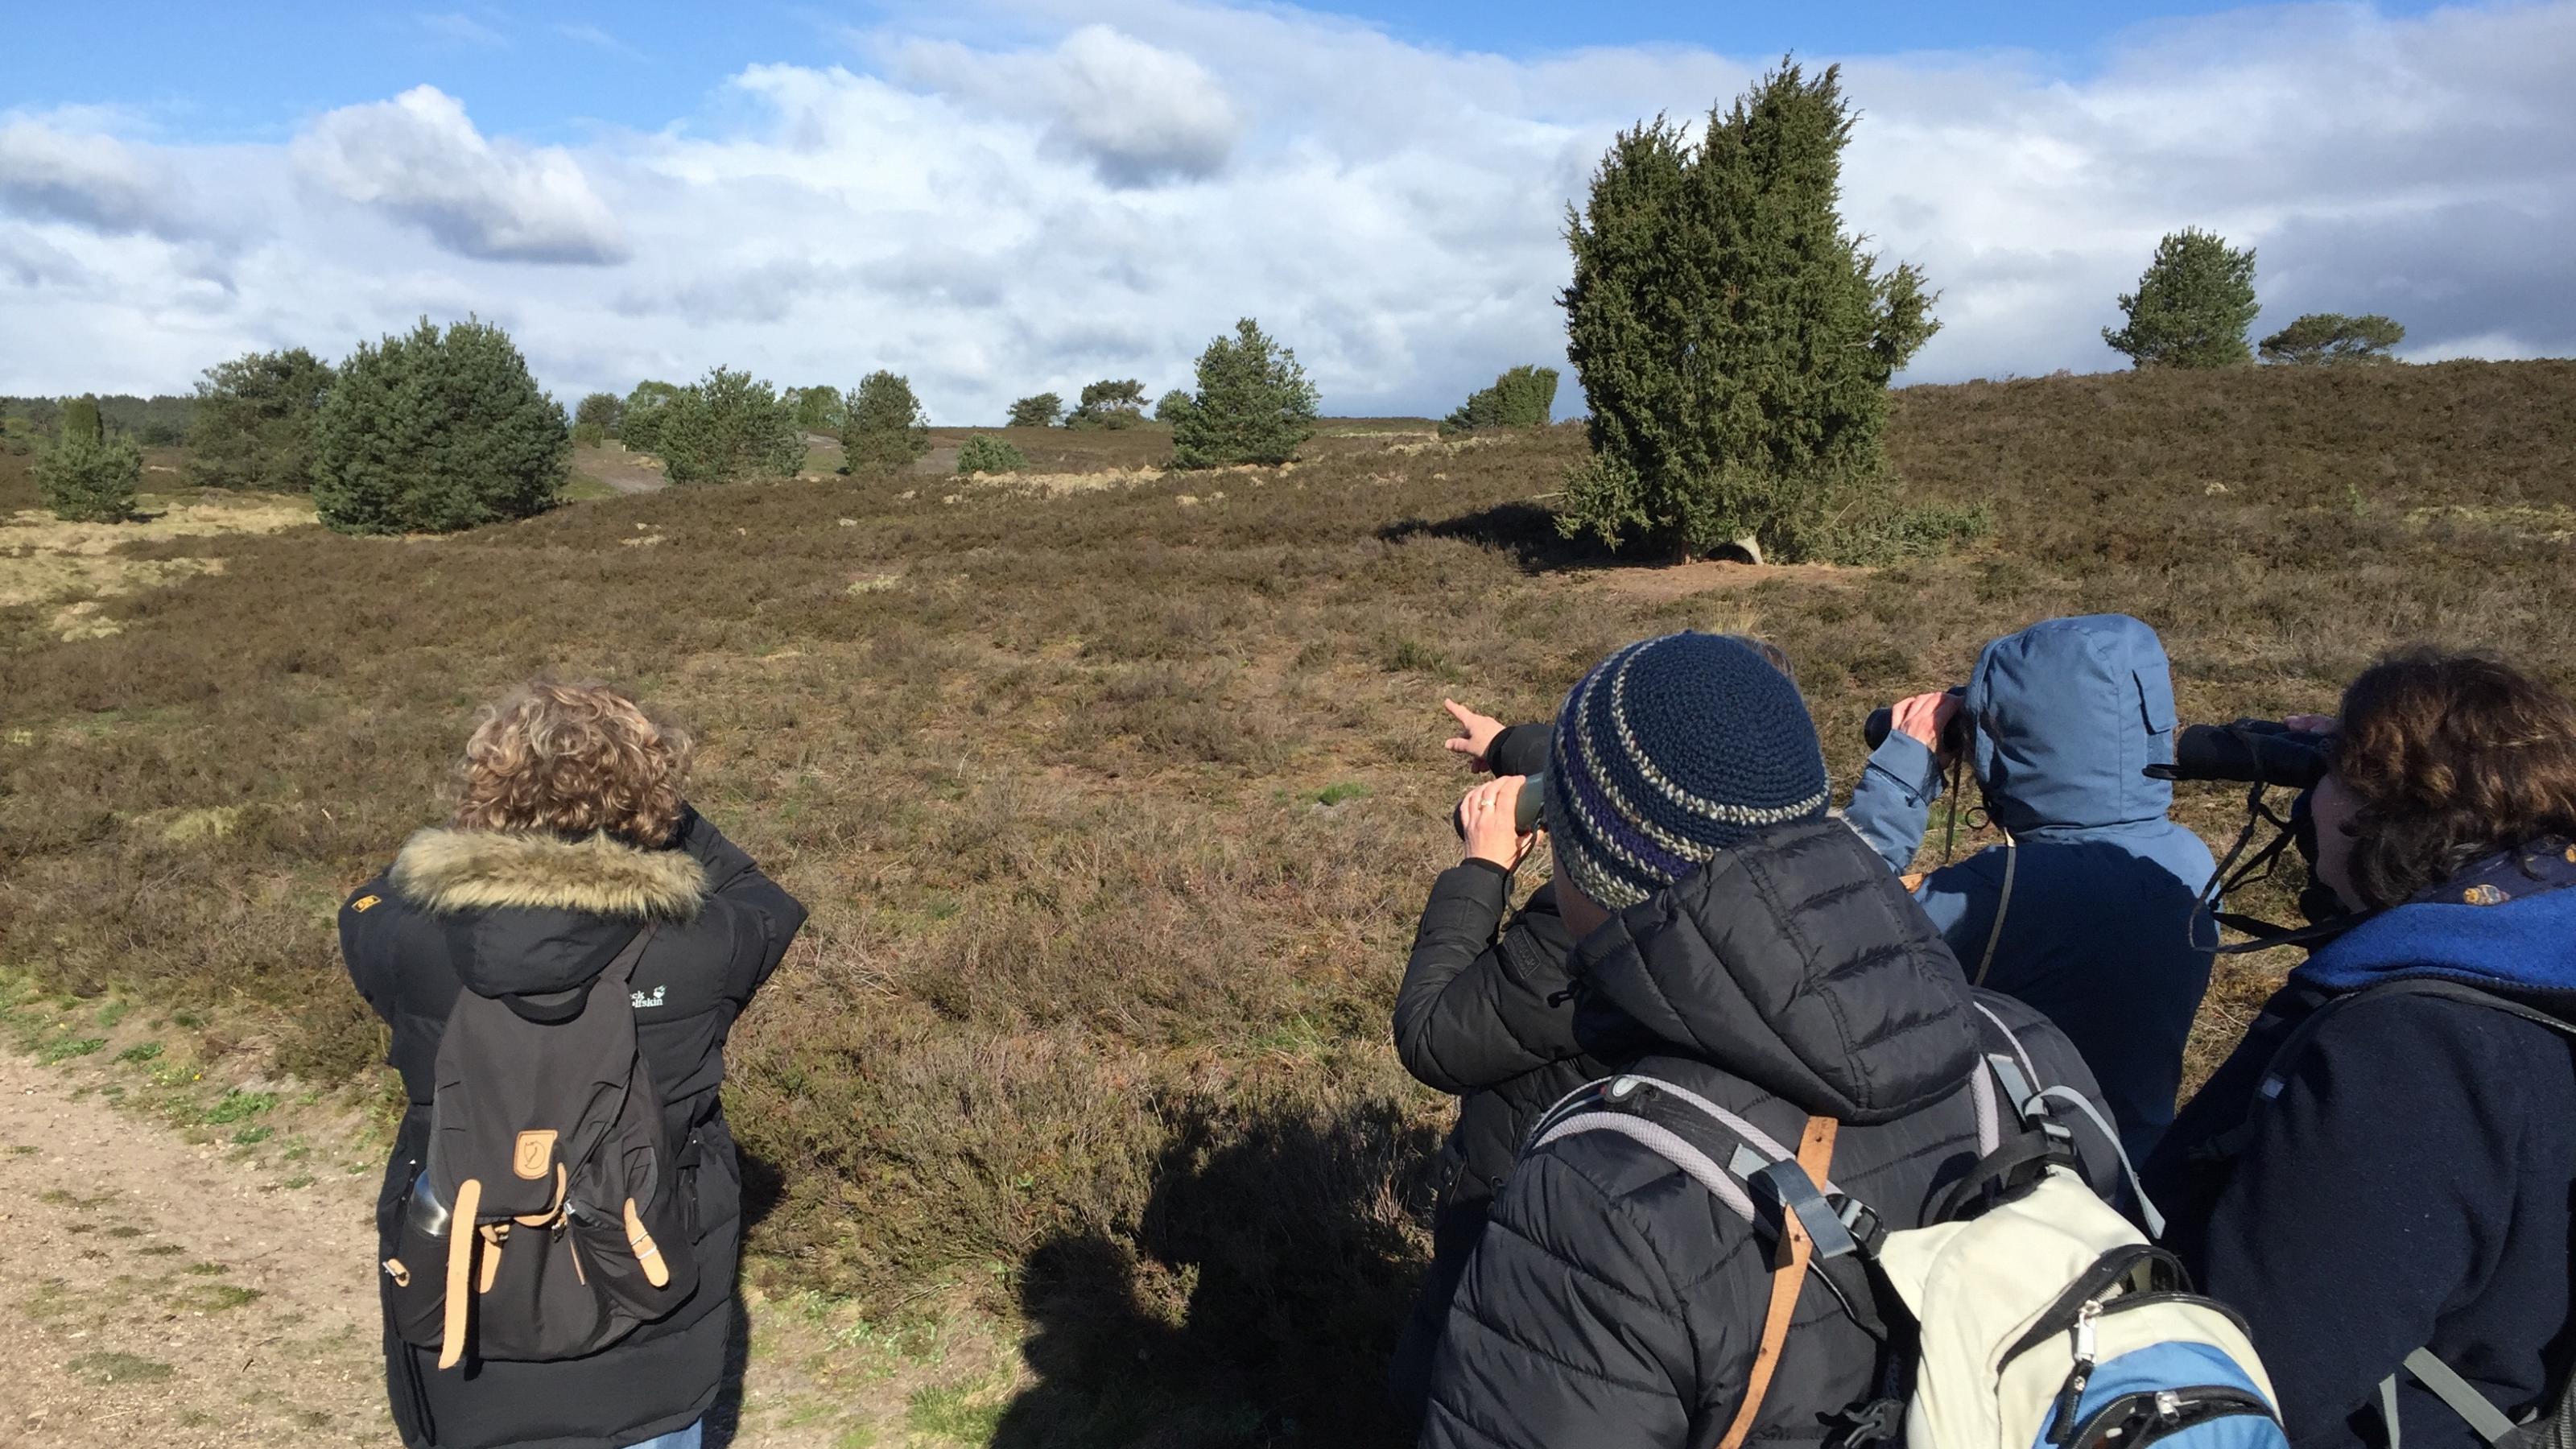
(572, 834)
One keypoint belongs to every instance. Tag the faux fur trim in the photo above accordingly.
(467, 870)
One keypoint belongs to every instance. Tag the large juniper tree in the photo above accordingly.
(1733, 340)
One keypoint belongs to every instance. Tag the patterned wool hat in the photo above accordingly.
(1670, 751)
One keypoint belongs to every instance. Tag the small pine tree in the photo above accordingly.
(882, 425)
(1172, 404)
(594, 421)
(2322, 339)
(639, 419)
(730, 426)
(253, 421)
(435, 431)
(1524, 397)
(1109, 403)
(1045, 410)
(2192, 306)
(1253, 405)
(1733, 340)
(982, 454)
(86, 477)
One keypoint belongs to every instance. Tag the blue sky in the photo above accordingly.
(554, 72)
(1004, 196)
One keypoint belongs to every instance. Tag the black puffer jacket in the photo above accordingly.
(517, 914)
(1612, 1300)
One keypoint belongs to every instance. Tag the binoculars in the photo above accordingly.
(1529, 812)
(1954, 735)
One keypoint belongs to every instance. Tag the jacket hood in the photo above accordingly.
(2069, 713)
(1796, 962)
(528, 914)
(2507, 925)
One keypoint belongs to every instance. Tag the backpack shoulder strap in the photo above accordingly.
(1788, 1276)
(621, 970)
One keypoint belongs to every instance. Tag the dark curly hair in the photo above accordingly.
(2451, 757)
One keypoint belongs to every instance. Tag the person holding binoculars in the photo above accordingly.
(1485, 1012)
(2382, 1177)
(2089, 910)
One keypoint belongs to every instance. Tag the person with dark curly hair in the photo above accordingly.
(572, 835)
(2382, 1178)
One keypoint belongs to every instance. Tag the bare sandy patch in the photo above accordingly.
(1682, 581)
(44, 560)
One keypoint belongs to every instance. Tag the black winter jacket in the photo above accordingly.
(1612, 1300)
(2411, 1181)
(517, 914)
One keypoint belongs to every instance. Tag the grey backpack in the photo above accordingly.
(547, 1221)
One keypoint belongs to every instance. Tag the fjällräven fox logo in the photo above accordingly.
(639, 1000)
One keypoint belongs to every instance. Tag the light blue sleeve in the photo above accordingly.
(1893, 801)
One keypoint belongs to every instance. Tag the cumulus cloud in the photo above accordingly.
(90, 179)
(419, 157)
(1078, 202)
(1139, 114)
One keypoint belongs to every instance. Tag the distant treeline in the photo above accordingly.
(157, 421)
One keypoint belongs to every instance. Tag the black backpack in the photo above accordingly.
(548, 1221)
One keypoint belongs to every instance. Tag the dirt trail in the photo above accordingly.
(159, 1292)
(153, 1293)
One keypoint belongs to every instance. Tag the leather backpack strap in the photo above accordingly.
(1788, 1276)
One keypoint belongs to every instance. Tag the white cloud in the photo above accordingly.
(419, 157)
(463, 30)
(1078, 203)
(61, 169)
(597, 38)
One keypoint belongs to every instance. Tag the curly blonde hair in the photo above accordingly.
(574, 759)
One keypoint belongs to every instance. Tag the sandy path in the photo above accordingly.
(152, 1293)
(159, 1294)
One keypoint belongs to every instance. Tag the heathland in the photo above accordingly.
(1115, 792)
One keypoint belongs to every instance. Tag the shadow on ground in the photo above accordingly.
(1257, 1304)
(763, 1186)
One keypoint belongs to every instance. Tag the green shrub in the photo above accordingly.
(598, 413)
(1172, 405)
(89, 479)
(1253, 405)
(1733, 340)
(1045, 410)
(1109, 403)
(253, 421)
(80, 421)
(436, 431)
(639, 418)
(882, 426)
(1524, 397)
(727, 427)
(2324, 339)
(2192, 306)
(990, 455)
(818, 409)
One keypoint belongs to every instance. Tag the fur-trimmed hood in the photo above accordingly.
(452, 871)
(526, 915)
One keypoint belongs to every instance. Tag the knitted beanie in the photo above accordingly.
(1670, 751)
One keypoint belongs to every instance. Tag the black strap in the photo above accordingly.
(554, 1008)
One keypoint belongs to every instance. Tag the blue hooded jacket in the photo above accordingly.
(2411, 1181)
(2101, 934)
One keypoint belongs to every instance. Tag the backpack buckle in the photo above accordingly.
(1797, 1193)
(1875, 1422)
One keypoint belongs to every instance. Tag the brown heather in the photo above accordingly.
(1091, 1021)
